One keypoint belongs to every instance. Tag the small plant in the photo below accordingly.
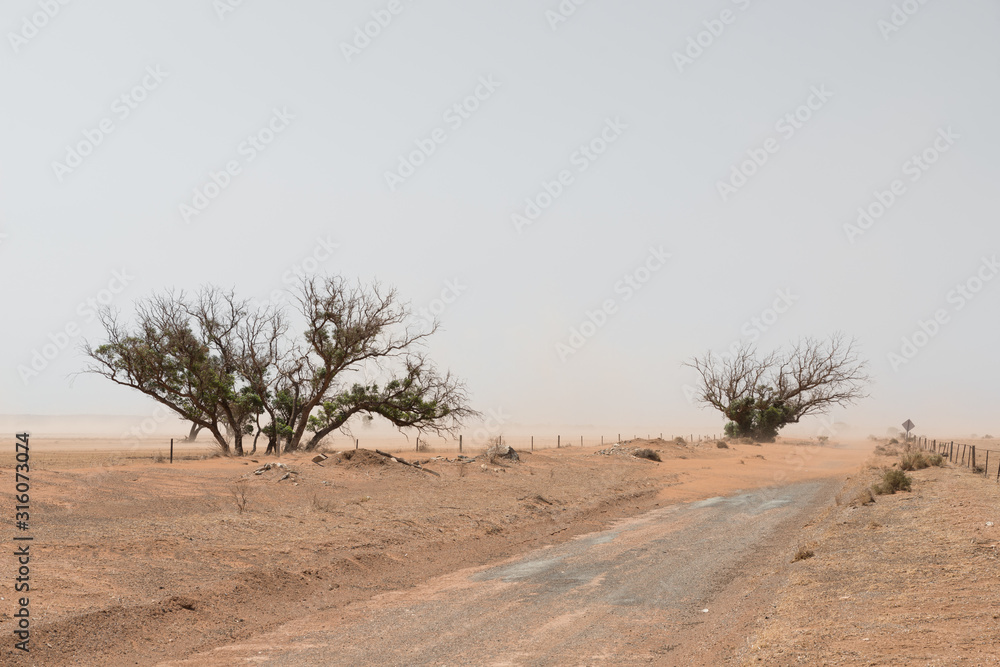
(241, 495)
(803, 554)
(679, 441)
(913, 461)
(886, 450)
(647, 454)
(894, 442)
(892, 481)
(917, 460)
(721, 445)
(863, 497)
(159, 457)
(823, 439)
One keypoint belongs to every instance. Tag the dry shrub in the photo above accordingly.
(679, 441)
(647, 454)
(892, 481)
(498, 452)
(862, 497)
(886, 450)
(917, 460)
(721, 445)
(803, 554)
(241, 495)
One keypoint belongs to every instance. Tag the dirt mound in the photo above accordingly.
(359, 458)
(618, 449)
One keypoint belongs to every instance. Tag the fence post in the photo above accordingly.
(532, 443)
(973, 459)
(558, 441)
(459, 443)
(986, 467)
(355, 443)
(171, 450)
(581, 441)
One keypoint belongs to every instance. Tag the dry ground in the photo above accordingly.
(138, 562)
(912, 579)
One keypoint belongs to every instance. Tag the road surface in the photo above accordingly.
(682, 585)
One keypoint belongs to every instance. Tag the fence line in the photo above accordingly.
(975, 458)
(462, 444)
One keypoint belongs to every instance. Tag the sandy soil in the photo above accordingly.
(140, 562)
(911, 579)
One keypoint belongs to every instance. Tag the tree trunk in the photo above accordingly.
(193, 433)
(221, 439)
(238, 442)
(328, 429)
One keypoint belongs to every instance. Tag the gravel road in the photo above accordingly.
(682, 585)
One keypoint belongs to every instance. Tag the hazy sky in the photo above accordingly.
(693, 165)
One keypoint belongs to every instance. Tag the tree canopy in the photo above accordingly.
(225, 365)
(760, 395)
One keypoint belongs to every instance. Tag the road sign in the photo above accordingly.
(908, 425)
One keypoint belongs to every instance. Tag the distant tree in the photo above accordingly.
(224, 365)
(760, 395)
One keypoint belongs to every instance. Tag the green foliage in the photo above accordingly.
(758, 418)
(893, 480)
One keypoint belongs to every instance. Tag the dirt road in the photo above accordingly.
(682, 585)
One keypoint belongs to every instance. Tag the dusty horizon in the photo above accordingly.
(580, 221)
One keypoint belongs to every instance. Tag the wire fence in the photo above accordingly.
(463, 444)
(979, 460)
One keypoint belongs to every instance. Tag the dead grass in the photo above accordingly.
(863, 497)
(918, 460)
(320, 504)
(904, 581)
(649, 454)
(886, 450)
(803, 554)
